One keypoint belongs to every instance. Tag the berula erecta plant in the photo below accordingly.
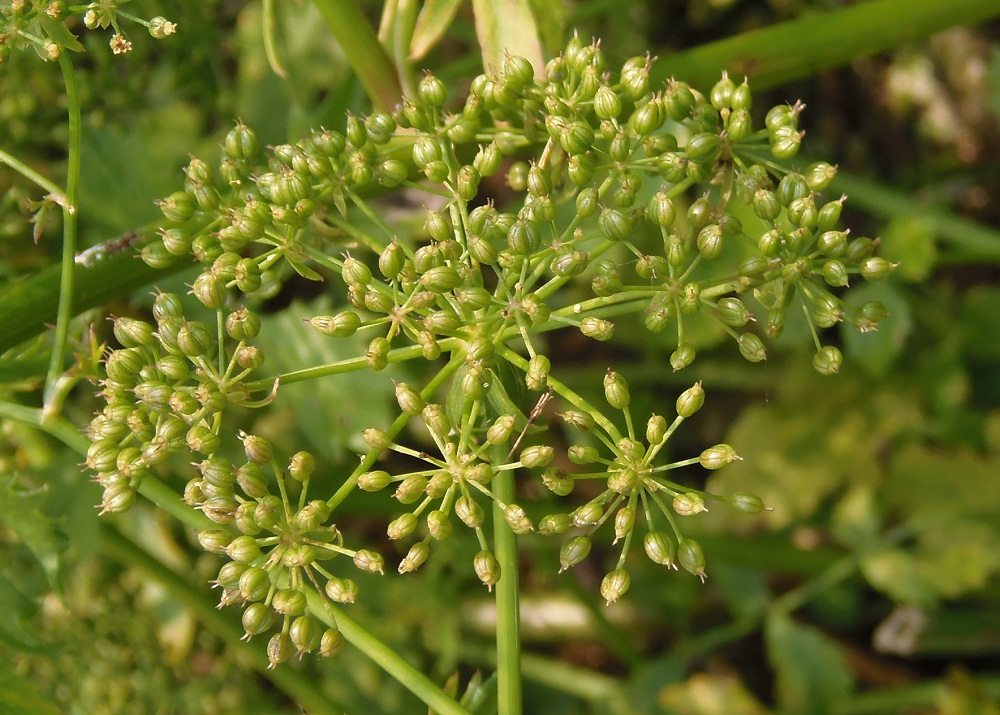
(597, 159)
(625, 200)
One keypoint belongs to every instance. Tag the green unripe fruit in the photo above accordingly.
(342, 590)
(377, 354)
(752, 347)
(577, 138)
(597, 328)
(766, 204)
(587, 202)
(739, 125)
(537, 456)
(557, 481)
(257, 618)
(709, 241)
(554, 524)
(432, 92)
(682, 357)
(517, 519)
(258, 450)
(659, 547)
(487, 568)
(179, 206)
(414, 558)
(819, 175)
(832, 243)
(616, 390)
(647, 118)
(331, 643)
(875, 268)
(579, 454)
(254, 584)
(827, 360)
(785, 142)
(488, 159)
(660, 210)
(279, 649)
(722, 92)
(568, 264)
(374, 481)
(607, 105)
(440, 279)
(699, 213)
(305, 633)
(703, 148)
(690, 401)
(829, 214)
(215, 540)
(614, 585)
(688, 504)
(369, 561)
(746, 503)
(469, 512)
(835, 274)
(402, 526)
(243, 549)
(538, 372)
(791, 187)
(614, 224)
(355, 273)
(718, 456)
(691, 557)
(580, 169)
(573, 552)
(438, 525)
(201, 439)
(733, 312)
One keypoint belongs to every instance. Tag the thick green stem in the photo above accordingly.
(65, 310)
(508, 605)
(292, 682)
(816, 42)
(363, 50)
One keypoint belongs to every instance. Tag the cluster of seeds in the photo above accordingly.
(276, 544)
(41, 25)
(166, 391)
(627, 204)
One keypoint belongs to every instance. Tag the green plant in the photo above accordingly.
(617, 205)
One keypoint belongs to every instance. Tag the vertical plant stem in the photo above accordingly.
(363, 50)
(65, 310)
(508, 604)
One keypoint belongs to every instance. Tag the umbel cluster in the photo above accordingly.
(631, 201)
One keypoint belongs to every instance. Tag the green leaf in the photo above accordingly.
(876, 352)
(810, 670)
(19, 696)
(332, 411)
(19, 512)
(15, 610)
(432, 23)
(909, 241)
(551, 19)
(59, 33)
(507, 27)
(894, 572)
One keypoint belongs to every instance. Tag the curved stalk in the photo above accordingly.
(65, 310)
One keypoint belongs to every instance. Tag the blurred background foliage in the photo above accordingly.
(871, 587)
